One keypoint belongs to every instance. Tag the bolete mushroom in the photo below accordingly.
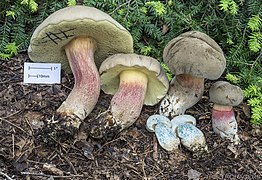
(162, 127)
(191, 137)
(79, 38)
(192, 56)
(225, 95)
(134, 80)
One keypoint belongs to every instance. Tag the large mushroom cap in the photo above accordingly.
(48, 40)
(157, 85)
(224, 93)
(195, 53)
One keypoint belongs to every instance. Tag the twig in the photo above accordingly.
(9, 80)
(143, 168)
(108, 143)
(254, 63)
(155, 152)
(48, 175)
(254, 167)
(69, 162)
(128, 2)
(13, 141)
(6, 176)
(5, 120)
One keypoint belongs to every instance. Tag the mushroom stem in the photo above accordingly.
(84, 95)
(127, 103)
(224, 122)
(184, 92)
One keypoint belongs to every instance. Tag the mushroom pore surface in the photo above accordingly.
(58, 29)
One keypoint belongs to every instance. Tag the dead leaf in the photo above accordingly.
(164, 29)
(246, 110)
(233, 149)
(35, 119)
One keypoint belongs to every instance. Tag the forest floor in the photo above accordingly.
(29, 151)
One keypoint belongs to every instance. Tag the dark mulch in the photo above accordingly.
(30, 149)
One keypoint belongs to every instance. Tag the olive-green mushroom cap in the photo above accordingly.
(157, 85)
(195, 53)
(49, 38)
(224, 93)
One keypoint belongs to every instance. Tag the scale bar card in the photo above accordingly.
(42, 73)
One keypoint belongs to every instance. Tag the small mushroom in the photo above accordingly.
(225, 95)
(191, 137)
(192, 56)
(161, 125)
(79, 38)
(134, 80)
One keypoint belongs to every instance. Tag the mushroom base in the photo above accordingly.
(224, 123)
(184, 92)
(84, 96)
(126, 104)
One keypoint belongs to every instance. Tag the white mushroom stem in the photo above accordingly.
(84, 95)
(184, 92)
(127, 103)
(224, 122)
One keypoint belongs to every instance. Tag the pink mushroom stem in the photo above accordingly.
(184, 92)
(84, 95)
(191, 82)
(224, 122)
(127, 103)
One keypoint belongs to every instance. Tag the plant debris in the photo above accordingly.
(32, 147)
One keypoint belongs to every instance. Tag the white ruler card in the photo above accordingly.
(42, 73)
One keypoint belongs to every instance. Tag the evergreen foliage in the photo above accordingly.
(234, 24)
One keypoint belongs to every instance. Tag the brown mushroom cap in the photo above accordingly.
(195, 53)
(224, 93)
(157, 85)
(48, 40)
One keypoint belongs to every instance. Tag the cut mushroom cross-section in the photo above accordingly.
(79, 38)
(162, 127)
(191, 137)
(134, 80)
(192, 56)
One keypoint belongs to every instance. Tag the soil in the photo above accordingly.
(31, 147)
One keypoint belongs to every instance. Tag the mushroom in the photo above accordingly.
(161, 125)
(192, 56)
(79, 38)
(134, 80)
(191, 137)
(182, 119)
(225, 95)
